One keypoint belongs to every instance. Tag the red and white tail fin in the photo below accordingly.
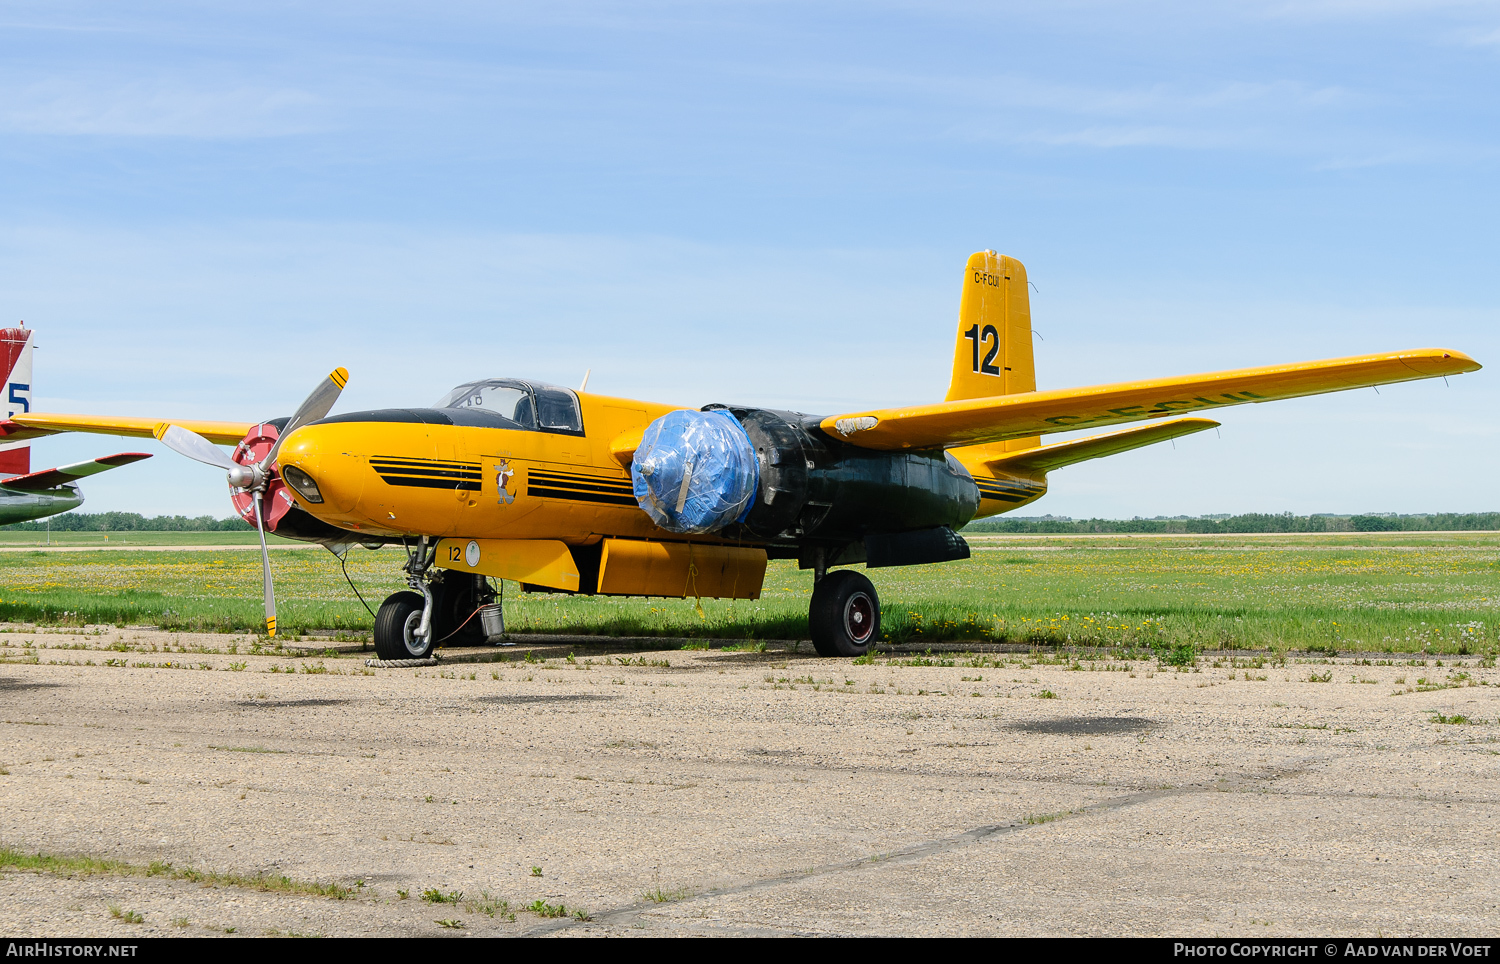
(15, 394)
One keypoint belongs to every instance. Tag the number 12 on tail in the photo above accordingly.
(990, 336)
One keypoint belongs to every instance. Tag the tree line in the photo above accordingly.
(1250, 522)
(130, 522)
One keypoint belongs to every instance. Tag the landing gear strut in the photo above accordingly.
(441, 607)
(403, 626)
(845, 614)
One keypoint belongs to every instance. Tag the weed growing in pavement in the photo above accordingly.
(1041, 818)
(434, 896)
(543, 909)
(1046, 695)
(658, 896)
(10, 858)
(536, 871)
(489, 905)
(125, 916)
(450, 922)
(1455, 718)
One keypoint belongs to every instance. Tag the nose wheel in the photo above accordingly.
(396, 625)
(845, 614)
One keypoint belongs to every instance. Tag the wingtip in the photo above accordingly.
(1445, 361)
(123, 458)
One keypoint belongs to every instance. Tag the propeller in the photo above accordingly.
(256, 476)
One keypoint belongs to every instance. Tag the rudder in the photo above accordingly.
(15, 394)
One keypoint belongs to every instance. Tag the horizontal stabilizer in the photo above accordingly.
(1045, 458)
(998, 418)
(62, 475)
(21, 427)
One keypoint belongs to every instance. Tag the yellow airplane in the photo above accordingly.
(574, 492)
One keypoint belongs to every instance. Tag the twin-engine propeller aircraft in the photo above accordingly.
(575, 492)
(24, 494)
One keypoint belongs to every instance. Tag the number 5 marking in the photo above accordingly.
(15, 399)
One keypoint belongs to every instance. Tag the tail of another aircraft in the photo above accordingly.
(15, 394)
(992, 355)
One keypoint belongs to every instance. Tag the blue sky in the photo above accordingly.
(205, 207)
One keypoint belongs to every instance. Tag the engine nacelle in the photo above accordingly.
(814, 489)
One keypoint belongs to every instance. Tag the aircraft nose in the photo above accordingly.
(308, 462)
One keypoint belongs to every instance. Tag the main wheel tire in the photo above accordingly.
(395, 625)
(455, 605)
(845, 614)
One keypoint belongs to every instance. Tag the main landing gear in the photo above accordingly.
(845, 613)
(441, 607)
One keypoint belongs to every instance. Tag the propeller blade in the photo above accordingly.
(315, 407)
(265, 562)
(193, 445)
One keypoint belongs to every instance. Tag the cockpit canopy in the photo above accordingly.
(530, 405)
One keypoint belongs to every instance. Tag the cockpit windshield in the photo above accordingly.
(529, 406)
(506, 399)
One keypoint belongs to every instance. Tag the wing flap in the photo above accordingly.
(62, 475)
(25, 426)
(1044, 458)
(997, 418)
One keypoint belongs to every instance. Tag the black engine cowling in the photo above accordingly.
(817, 490)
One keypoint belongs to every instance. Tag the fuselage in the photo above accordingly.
(454, 472)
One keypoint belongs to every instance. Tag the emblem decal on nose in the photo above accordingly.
(503, 475)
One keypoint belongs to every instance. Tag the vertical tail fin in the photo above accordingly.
(15, 394)
(992, 355)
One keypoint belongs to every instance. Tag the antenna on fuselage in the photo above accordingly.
(585, 379)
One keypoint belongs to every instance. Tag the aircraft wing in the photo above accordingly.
(25, 426)
(1000, 417)
(52, 478)
(1045, 458)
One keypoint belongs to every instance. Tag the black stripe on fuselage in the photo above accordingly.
(579, 488)
(1002, 491)
(428, 473)
(431, 473)
(573, 495)
(583, 483)
(390, 462)
(451, 484)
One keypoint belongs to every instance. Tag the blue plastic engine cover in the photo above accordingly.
(695, 472)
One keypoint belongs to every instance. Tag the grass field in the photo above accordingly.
(104, 540)
(1375, 592)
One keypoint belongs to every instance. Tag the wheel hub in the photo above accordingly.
(414, 646)
(859, 618)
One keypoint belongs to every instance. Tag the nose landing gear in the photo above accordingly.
(441, 607)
